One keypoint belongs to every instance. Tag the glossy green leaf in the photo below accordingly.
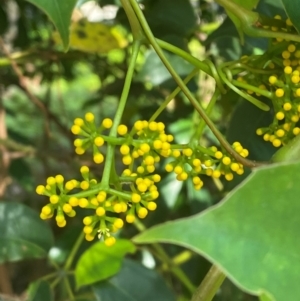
(292, 9)
(134, 282)
(248, 4)
(40, 290)
(59, 12)
(100, 262)
(252, 234)
(22, 233)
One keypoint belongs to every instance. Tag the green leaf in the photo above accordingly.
(22, 233)
(245, 120)
(248, 4)
(289, 152)
(3, 20)
(165, 18)
(270, 8)
(155, 72)
(100, 262)
(227, 43)
(133, 275)
(59, 12)
(264, 297)
(40, 290)
(292, 8)
(253, 234)
(20, 171)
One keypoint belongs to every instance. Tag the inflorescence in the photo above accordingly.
(275, 75)
(131, 193)
(134, 192)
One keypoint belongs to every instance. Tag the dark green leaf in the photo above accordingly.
(40, 290)
(100, 262)
(22, 233)
(292, 8)
(3, 20)
(134, 282)
(271, 8)
(20, 171)
(243, 125)
(225, 40)
(59, 12)
(165, 18)
(155, 72)
(252, 234)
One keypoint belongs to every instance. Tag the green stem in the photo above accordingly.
(54, 283)
(177, 271)
(248, 97)
(202, 65)
(265, 93)
(166, 260)
(206, 66)
(210, 285)
(136, 28)
(49, 276)
(68, 289)
(208, 111)
(182, 257)
(119, 113)
(13, 145)
(15, 56)
(73, 252)
(187, 92)
(172, 95)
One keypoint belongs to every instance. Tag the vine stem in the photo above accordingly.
(202, 65)
(119, 113)
(172, 96)
(187, 92)
(208, 111)
(206, 66)
(73, 252)
(136, 28)
(68, 264)
(210, 285)
(68, 289)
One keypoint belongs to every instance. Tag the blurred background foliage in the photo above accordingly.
(35, 140)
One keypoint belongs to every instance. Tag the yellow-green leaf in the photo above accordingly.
(100, 262)
(93, 37)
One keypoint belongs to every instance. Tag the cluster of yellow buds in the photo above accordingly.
(105, 203)
(91, 135)
(133, 193)
(276, 75)
(193, 162)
